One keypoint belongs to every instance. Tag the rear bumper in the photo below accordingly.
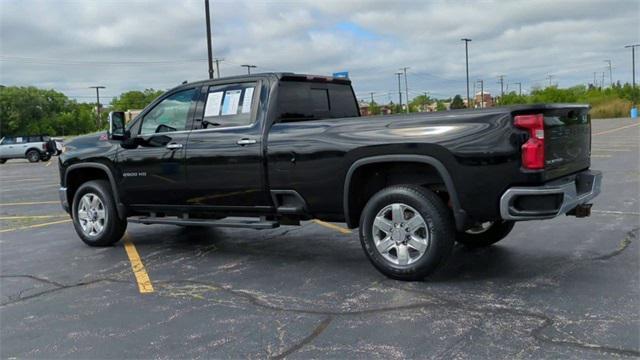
(62, 194)
(551, 199)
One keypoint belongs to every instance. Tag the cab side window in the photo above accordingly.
(229, 105)
(171, 114)
(8, 141)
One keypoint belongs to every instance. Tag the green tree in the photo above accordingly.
(440, 106)
(457, 103)
(30, 111)
(374, 108)
(419, 102)
(133, 100)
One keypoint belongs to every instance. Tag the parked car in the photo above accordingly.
(283, 148)
(33, 148)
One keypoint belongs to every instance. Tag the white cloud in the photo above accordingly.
(66, 43)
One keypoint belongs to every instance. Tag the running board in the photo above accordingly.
(247, 223)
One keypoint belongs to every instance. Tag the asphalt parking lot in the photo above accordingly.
(564, 288)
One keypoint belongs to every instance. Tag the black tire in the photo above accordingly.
(496, 231)
(2, 161)
(45, 157)
(33, 156)
(439, 228)
(113, 227)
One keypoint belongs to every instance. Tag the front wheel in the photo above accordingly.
(33, 156)
(485, 234)
(406, 231)
(94, 214)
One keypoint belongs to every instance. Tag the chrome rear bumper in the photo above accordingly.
(558, 197)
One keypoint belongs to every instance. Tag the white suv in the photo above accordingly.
(33, 148)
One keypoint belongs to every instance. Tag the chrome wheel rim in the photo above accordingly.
(400, 234)
(91, 214)
(480, 228)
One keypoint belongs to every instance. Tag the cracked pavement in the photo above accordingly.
(566, 287)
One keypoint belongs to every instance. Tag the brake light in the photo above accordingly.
(533, 149)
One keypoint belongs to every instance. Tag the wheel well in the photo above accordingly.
(368, 179)
(75, 178)
(29, 149)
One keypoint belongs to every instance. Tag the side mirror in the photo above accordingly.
(116, 125)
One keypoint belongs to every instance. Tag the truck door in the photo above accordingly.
(153, 171)
(224, 154)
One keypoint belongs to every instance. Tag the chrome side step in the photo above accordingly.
(247, 223)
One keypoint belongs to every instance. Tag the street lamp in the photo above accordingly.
(466, 53)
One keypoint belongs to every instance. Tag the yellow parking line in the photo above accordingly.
(18, 217)
(144, 283)
(616, 129)
(332, 226)
(31, 203)
(48, 163)
(35, 226)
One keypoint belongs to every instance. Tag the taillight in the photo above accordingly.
(533, 149)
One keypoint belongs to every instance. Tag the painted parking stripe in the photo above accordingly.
(142, 278)
(19, 217)
(616, 129)
(340, 229)
(31, 203)
(36, 226)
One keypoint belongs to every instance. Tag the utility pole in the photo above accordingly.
(549, 77)
(372, 96)
(481, 93)
(466, 53)
(610, 73)
(519, 88)
(249, 67)
(633, 62)
(406, 86)
(399, 90)
(501, 77)
(206, 10)
(218, 61)
(97, 103)
(595, 82)
(602, 80)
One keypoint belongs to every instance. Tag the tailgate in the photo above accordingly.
(567, 146)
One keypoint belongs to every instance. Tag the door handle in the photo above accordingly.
(174, 146)
(243, 142)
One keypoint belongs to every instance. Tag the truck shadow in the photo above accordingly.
(296, 249)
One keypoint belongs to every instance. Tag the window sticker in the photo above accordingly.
(213, 104)
(231, 101)
(18, 139)
(246, 102)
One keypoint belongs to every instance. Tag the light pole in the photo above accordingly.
(406, 86)
(206, 9)
(633, 63)
(218, 66)
(481, 93)
(249, 67)
(399, 90)
(610, 73)
(466, 53)
(97, 103)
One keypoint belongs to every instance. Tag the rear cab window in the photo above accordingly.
(306, 100)
(229, 105)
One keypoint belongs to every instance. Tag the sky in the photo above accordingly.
(133, 45)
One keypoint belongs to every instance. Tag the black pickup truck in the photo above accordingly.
(265, 150)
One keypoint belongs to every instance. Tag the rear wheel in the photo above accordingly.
(406, 231)
(94, 214)
(45, 157)
(485, 234)
(33, 156)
